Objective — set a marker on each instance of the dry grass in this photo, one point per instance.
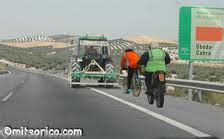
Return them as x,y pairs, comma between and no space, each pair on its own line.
148,40
207,97
36,43
214,99
3,66
178,92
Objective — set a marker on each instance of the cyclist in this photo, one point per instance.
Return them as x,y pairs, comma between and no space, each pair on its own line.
129,60
153,60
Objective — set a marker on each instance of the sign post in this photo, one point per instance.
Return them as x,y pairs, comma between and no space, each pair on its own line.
190,78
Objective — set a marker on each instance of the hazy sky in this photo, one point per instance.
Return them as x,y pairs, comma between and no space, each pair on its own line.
114,18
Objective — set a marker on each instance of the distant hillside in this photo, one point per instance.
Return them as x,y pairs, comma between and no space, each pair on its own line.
63,38
41,38
149,40
119,45
139,43
56,41
35,44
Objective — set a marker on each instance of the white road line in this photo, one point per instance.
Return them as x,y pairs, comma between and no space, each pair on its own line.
156,115
7,97
64,78
59,77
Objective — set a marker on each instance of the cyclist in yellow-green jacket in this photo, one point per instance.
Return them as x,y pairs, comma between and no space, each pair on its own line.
153,60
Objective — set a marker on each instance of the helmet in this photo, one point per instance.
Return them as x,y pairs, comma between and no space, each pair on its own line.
128,50
155,45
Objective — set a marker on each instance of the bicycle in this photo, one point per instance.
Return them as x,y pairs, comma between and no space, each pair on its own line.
158,85
136,84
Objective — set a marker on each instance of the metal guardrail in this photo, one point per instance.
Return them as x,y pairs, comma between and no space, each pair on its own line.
194,84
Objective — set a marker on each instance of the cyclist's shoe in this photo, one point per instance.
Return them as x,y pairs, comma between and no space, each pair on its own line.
129,91
150,99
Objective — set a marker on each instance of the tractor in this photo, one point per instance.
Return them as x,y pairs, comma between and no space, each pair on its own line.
91,60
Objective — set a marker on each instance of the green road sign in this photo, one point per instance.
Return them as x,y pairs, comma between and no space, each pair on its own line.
201,33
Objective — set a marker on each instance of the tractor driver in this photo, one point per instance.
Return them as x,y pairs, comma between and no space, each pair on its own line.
91,51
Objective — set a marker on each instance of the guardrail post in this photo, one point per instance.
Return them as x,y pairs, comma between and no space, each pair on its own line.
190,78
200,96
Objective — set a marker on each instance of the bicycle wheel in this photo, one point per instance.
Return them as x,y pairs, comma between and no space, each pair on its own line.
124,85
150,99
136,85
160,97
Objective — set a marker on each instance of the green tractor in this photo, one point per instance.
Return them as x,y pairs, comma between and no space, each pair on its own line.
91,61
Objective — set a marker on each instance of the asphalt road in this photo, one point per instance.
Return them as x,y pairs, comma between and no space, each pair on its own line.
38,100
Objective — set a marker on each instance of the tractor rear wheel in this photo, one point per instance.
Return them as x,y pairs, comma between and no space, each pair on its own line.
110,70
75,67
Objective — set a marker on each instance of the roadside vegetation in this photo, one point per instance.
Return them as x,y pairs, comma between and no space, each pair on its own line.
45,58
207,97
3,67
204,73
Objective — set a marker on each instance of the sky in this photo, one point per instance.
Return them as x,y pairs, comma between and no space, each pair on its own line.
113,18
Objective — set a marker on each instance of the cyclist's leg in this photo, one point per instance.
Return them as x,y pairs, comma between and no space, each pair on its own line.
130,75
148,81
137,72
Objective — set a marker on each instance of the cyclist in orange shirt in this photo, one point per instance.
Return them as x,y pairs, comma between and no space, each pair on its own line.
129,61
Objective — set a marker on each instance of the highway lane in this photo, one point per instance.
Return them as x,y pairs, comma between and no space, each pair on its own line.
203,117
10,82
43,100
